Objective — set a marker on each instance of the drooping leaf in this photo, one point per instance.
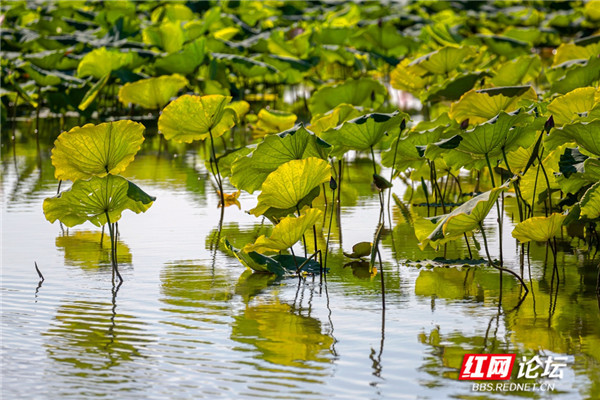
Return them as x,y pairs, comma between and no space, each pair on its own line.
152,93
291,182
249,173
481,105
286,233
590,202
365,92
91,94
91,200
96,150
190,118
362,132
539,229
463,219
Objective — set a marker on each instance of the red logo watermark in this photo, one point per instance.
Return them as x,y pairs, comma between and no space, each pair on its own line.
494,367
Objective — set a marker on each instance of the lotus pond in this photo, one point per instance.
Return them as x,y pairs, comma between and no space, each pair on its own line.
298,199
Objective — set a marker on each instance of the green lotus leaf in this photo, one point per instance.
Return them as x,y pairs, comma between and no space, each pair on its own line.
590,202
452,88
365,92
152,93
444,60
519,71
569,107
190,118
539,229
481,105
571,51
240,108
585,134
286,233
576,75
382,38
244,66
324,122
172,12
274,121
169,36
91,94
185,61
297,47
505,46
407,78
461,220
101,62
226,161
91,200
249,173
96,150
363,132
359,250
291,182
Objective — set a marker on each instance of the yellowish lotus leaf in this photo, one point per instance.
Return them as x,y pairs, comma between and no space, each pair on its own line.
478,107
567,107
274,121
101,62
539,229
286,233
291,182
96,150
571,51
323,122
152,93
190,118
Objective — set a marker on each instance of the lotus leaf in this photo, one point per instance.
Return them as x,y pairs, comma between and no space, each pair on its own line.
91,200
363,132
274,121
152,93
444,60
577,74
585,134
240,108
365,92
590,202
96,150
481,105
101,62
404,77
539,229
249,173
570,106
463,219
571,51
190,118
169,36
286,186
452,88
360,250
324,122
184,61
91,94
286,233
519,71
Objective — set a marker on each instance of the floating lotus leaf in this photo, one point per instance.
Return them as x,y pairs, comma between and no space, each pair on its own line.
274,121
152,93
291,182
362,132
519,71
444,60
323,122
91,200
365,92
249,173
286,233
190,118
101,62
463,219
569,107
96,150
585,134
481,105
590,202
539,229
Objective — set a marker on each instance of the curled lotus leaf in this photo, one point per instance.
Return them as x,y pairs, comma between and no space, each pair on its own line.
539,229
93,199
286,186
190,118
274,121
152,93
96,150
286,233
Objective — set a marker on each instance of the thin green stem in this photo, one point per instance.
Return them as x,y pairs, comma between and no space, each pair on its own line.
218,174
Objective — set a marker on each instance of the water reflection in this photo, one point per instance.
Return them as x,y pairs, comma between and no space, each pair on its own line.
91,250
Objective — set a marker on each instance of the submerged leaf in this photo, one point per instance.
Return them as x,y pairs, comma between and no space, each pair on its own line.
92,200
539,229
96,150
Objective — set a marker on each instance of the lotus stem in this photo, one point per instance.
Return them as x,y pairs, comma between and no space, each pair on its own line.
468,246
517,186
218,174
382,281
547,185
113,245
498,210
329,229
